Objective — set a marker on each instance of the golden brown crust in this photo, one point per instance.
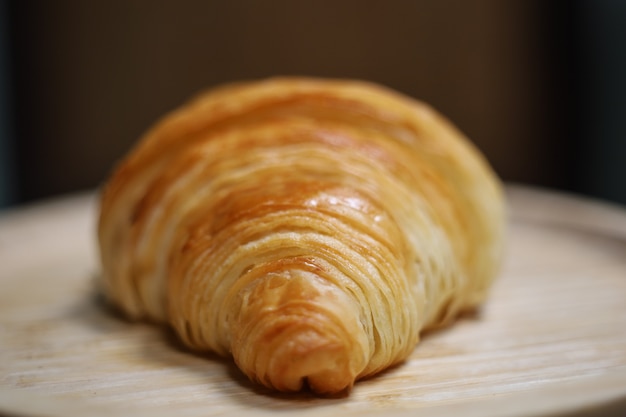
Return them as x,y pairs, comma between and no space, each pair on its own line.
309,228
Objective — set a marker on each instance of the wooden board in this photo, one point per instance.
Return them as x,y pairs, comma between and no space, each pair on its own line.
552,338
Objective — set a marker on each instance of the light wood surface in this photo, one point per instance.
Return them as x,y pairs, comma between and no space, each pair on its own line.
550,341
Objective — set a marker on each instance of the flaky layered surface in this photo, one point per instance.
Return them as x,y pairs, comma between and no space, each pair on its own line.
310,229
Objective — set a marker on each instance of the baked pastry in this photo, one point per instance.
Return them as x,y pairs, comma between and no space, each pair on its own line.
309,228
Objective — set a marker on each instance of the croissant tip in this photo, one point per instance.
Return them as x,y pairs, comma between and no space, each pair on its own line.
310,361
300,343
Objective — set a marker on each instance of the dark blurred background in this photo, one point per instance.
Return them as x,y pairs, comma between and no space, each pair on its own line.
539,86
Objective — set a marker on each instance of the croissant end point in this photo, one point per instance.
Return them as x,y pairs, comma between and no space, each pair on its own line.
301,340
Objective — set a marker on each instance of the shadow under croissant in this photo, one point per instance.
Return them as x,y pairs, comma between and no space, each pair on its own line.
105,317
98,314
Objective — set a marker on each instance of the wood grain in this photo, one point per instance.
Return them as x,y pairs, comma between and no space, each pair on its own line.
552,338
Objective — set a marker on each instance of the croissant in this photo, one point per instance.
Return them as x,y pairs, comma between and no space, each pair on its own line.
309,228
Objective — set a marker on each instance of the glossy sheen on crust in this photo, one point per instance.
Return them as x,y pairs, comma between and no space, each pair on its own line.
309,228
